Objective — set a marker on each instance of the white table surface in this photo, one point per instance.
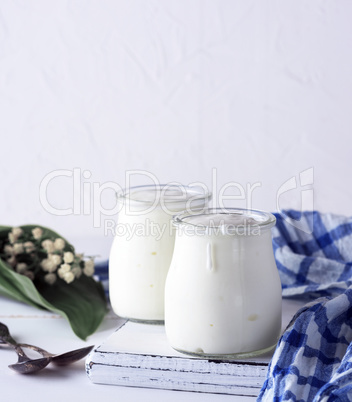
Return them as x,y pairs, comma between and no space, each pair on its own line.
53,333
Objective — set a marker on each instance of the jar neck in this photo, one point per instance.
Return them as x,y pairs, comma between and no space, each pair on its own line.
166,197
225,222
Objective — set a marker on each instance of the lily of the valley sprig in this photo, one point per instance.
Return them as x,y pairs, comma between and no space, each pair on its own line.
51,259
39,267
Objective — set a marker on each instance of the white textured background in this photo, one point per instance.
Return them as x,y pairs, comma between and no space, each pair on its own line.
260,90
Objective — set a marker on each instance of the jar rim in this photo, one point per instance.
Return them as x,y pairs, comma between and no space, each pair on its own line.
263,220
187,193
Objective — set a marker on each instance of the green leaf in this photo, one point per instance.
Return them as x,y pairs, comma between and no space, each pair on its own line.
81,302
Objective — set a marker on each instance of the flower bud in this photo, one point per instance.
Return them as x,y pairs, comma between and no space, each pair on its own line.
50,278
18,248
77,271
12,238
55,258
37,233
68,277
48,265
63,270
8,249
59,244
48,246
88,268
68,257
17,232
11,260
21,267
29,274
29,246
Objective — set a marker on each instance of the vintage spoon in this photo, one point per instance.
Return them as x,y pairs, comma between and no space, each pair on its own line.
24,365
61,359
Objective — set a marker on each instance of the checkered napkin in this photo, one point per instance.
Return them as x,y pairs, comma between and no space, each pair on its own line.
313,359
101,274
317,260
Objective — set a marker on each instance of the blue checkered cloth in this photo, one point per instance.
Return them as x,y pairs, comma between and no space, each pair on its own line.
317,263
101,274
313,359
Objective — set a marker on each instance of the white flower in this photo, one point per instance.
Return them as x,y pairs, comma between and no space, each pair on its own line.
12,261
29,246
8,249
50,278
21,267
68,257
48,246
55,258
59,244
68,277
17,232
12,238
37,233
77,271
64,268
18,248
88,268
48,265
29,274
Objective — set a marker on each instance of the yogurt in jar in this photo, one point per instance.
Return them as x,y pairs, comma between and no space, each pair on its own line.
142,249
223,291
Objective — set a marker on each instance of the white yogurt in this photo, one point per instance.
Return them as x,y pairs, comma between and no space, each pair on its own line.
142,249
223,292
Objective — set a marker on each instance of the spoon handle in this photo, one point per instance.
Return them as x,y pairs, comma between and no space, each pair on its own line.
22,357
37,349
5,337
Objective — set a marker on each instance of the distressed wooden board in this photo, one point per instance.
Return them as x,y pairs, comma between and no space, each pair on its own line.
172,381
139,355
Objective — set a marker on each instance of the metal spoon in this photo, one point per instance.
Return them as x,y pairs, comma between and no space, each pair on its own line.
61,359
24,365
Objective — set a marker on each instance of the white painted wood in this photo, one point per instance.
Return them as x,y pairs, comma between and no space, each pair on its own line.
139,355
71,383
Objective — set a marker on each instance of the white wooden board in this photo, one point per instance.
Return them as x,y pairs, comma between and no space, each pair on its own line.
139,355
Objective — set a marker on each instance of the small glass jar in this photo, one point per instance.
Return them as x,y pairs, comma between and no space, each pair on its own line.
223,291
143,245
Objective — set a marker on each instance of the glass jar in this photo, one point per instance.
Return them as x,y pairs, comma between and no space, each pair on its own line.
223,291
143,245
